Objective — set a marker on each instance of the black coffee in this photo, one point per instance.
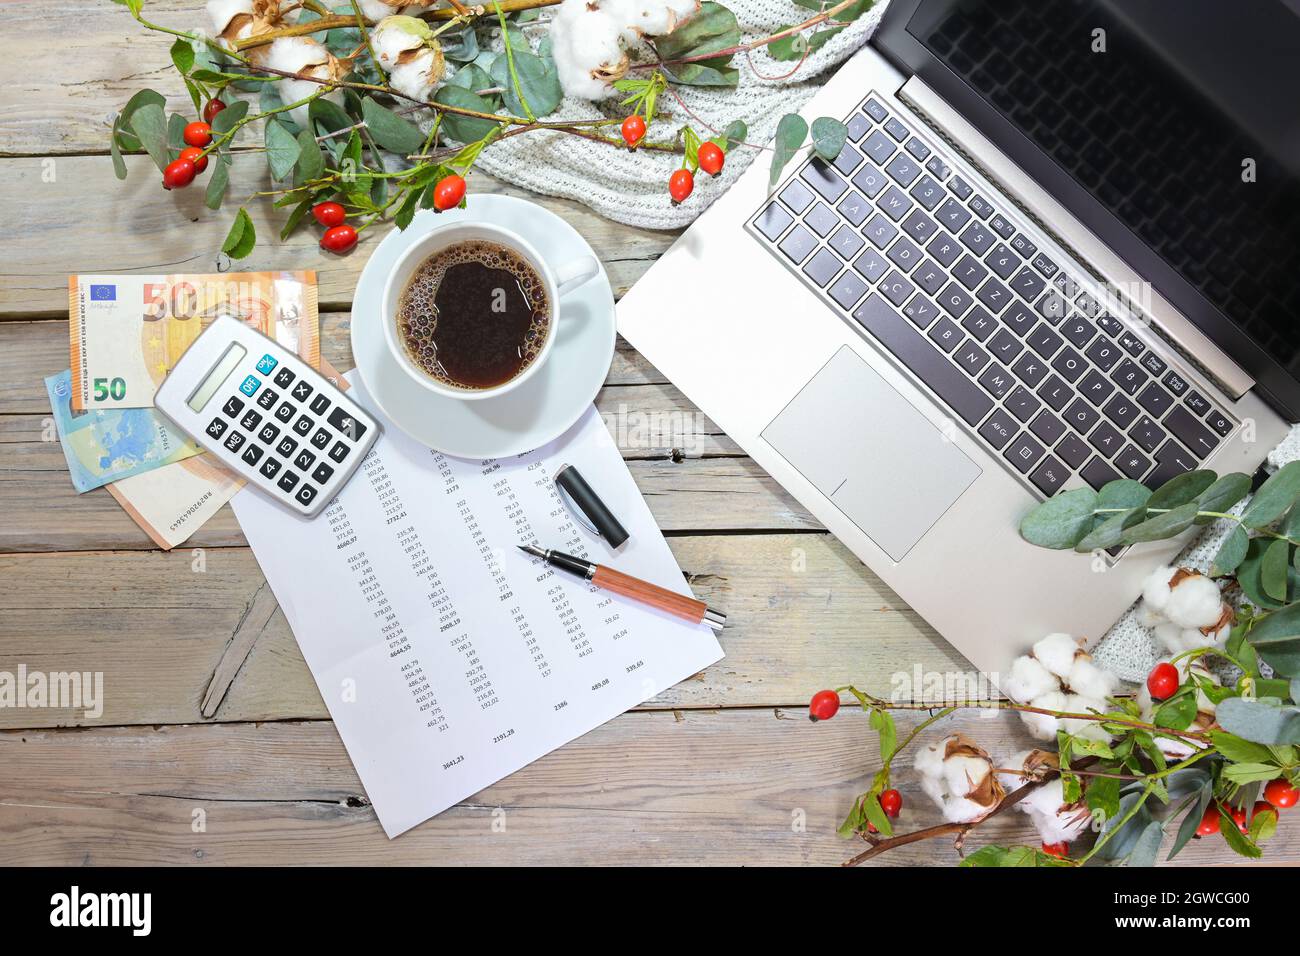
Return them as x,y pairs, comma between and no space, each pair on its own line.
474,315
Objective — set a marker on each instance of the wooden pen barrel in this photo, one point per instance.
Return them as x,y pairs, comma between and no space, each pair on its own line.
676,604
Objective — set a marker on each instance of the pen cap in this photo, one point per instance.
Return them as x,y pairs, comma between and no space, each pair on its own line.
589,503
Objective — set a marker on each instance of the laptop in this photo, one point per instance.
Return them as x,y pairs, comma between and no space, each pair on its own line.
1059,247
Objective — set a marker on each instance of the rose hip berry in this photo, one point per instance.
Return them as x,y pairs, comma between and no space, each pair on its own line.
1060,850
329,213
195,156
1238,815
197,134
633,130
1163,681
339,238
212,108
179,172
891,801
711,157
1281,794
825,704
1209,822
1263,806
448,193
680,185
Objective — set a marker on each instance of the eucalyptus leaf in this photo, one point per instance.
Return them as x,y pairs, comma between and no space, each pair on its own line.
1147,845
392,132
282,150
1181,489
175,135
119,164
1276,639
1192,820
183,55
1231,552
539,84
712,29
326,115
1224,493
224,121
1108,534
217,182
242,236
311,161
790,133
1123,493
1261,723
295,217
828,136
1061,521
126,138
1274,497
798,45
149,124
1273,568
1161,526
704,73
464,129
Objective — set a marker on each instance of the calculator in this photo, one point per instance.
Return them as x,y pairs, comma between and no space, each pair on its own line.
267,415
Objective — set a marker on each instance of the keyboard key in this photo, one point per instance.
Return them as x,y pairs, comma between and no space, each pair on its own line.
1024,452
1005,346
1081,416
286,447
1175,383
1154,364
1045,265
1098,473
1074,451
1049,476
981,207
1029,369
819,175
267,399
903,169
772,221
977,239
304,460
953,215
945,334
321,438
821,220
1087,304
996,380
1095,387
969,272
1056,393
305,494
1130,343
234,441
854,208
1128,376
285,411
917,149
880,231
1069,288
927,192
1191,432
1023,246
303,425
979,323
921,311
1078,330
1028,284
896,129
848,290
1155,400
1106,439
1022,403
252,454
1047,427
250,385
846,242
250,420
857,126
929,276
927,363
960,188
896,289
893,202
870,180
871,265
1044,341
268,434
1051,307
904,254
919,226
1109,324
797,196
1197,403
1132,462
1103,353
998,223
822,267
798,244
847,160
954,301
999,428
1120,410
970,357
1147,434
1171,461
1220,422
1002,261
1019,319
1069,365
346,425
944,248
873,109
939,168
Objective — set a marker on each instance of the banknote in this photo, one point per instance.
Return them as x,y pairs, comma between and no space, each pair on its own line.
173,502
103,445
125,332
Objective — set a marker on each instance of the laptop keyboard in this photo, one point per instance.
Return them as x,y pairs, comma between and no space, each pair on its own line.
946,282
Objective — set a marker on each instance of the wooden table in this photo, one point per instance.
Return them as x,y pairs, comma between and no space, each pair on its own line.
204,755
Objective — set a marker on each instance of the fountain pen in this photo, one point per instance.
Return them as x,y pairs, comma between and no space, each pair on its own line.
679,605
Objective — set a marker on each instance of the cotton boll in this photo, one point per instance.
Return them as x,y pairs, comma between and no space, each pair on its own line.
416,76
586,48
307,56
1044,726
377,9
962,810
929,761
1056,652
1055,821
958,776
1088,679
1148,616
1081,727
1027,680
933,788
964,774
222,12
393,36
1156,590
1194,600
655,17
1024,767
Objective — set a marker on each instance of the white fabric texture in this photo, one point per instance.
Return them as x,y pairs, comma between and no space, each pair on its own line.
1129,649
632,187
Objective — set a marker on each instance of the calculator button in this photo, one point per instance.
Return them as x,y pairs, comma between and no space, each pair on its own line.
250,420
322,473
286,447
301,391
339,451
267,398
235,441
232,407
305,495
303,425
285,411
304,460
249,385
287,481
269,467
345,423
216,428
266,364
283,377
319,404
268,433
252,454
321,438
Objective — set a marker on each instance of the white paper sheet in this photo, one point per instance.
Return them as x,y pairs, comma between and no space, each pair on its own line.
447,657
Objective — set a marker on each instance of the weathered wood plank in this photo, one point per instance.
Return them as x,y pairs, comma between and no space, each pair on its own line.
744,787
140,228
803,613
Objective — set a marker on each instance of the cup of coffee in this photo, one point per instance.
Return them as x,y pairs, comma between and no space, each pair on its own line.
471,309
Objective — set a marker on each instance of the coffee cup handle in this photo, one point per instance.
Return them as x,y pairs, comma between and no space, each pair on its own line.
573,274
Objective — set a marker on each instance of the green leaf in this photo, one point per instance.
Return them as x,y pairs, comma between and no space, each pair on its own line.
406,211
1109,532
1263,825
1238,749
1276,639
282,150
1196,810
326,115
1181,489
464,129
183,55
389,130
1146,846
1162,526
1178,712
1102,796
1243,773
539,84
691,142
883,723
828,136
119,164
295,217
1274,497
1231,552
225,121
1060,521
175,135
1256,721
217,182
704,73
149,124
712,29
127,140
1273,568
242,236
797,45
871,807
1123,493
311,161
1224,493
790,133
1235,839
735,132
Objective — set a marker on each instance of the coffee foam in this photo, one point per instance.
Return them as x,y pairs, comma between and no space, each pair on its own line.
417,314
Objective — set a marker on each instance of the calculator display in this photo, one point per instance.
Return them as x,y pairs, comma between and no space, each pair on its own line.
220,372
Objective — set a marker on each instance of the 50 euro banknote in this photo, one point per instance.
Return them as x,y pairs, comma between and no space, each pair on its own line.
126,332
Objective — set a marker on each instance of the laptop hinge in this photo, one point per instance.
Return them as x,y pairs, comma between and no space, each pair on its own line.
1053,218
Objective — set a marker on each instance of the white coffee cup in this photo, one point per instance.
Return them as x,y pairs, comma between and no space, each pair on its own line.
558,282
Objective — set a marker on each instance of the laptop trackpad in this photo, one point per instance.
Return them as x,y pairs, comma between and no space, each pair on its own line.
871,452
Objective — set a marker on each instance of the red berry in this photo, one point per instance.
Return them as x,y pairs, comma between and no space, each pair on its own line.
179,172
339,238
1238,815
1209,822
1163,681
680,184
633,130
329,213
1263,806
1061,849
211,109
1281,794
195,156
711,157
825,704
197,134
891,801
448,193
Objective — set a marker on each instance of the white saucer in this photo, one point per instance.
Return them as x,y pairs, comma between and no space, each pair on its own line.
537,411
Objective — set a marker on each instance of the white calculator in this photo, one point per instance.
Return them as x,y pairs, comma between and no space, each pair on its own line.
267,415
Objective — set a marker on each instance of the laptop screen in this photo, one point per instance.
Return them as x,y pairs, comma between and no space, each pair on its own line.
1181,117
